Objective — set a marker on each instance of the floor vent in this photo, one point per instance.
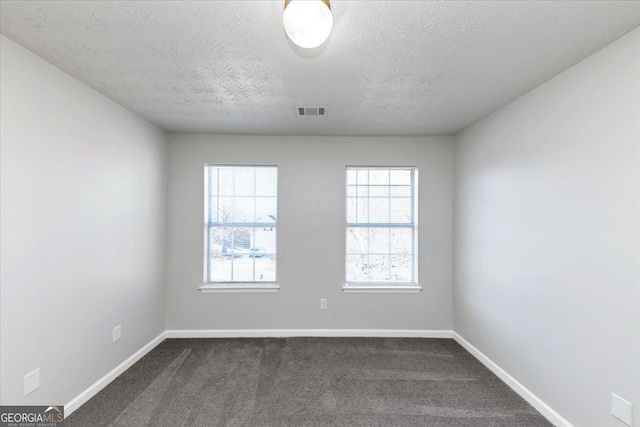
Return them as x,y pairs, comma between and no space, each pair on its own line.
311,111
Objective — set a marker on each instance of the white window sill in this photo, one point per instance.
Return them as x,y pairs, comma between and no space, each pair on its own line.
381,289
223,288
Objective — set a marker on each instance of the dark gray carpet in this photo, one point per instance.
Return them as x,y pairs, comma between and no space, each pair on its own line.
307,382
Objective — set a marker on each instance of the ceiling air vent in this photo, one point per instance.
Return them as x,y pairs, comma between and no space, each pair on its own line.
311,111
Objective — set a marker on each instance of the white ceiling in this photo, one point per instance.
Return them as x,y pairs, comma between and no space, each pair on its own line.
389,67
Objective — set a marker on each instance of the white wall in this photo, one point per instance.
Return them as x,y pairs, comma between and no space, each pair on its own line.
311,174
547,246
83,194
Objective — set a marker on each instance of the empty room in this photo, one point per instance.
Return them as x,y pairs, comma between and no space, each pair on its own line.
319,213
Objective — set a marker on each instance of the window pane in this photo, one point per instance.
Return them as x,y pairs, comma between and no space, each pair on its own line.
362,211
243,269
358,210
244,209
357,240
225,181
362,177
401,241
222,209
362,190
220,270
400,191
401,268
379,210
379,177
265,269
237,242
266,209
266,181
378,268
243,181
246,253
212,180
379,191
401,211
379,240
351,176
217,237
356,270
400,177
351,210
264,242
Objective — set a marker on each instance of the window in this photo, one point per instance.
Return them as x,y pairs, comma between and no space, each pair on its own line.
381,226
241,223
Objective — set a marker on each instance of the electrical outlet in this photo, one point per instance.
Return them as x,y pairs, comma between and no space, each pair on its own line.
31,382
621,409
117,333
323,304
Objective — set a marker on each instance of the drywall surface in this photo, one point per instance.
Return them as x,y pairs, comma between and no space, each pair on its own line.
83,193
547,236
311,234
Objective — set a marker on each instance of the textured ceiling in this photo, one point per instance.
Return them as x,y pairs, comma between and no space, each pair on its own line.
389,67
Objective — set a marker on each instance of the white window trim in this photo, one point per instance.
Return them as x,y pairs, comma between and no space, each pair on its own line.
372,288
220,288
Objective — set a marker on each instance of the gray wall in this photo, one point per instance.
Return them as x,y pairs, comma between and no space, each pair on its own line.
311,174
547,246
83,233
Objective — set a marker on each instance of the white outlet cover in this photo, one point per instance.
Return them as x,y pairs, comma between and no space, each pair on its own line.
117,333
621,409
31,382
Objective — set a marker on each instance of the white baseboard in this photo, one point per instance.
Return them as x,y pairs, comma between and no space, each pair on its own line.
284,333
104,381
551,415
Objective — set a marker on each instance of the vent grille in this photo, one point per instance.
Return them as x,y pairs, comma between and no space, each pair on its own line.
311,111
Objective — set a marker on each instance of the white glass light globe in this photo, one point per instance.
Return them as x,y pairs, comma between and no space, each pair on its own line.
308,23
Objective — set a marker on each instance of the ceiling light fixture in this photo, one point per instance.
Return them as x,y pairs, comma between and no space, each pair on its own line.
308,23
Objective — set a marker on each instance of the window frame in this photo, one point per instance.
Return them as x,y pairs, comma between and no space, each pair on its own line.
389,286
236,286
